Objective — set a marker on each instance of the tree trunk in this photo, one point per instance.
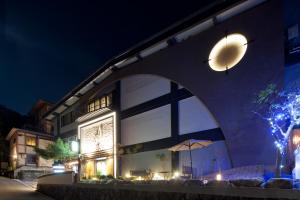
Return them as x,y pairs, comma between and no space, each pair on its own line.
278,164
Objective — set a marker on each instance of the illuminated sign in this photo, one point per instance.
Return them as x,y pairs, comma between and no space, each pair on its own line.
99,135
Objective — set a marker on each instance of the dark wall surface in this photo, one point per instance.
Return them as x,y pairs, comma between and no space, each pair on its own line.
228,97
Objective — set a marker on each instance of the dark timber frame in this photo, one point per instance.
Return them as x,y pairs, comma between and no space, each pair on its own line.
173,99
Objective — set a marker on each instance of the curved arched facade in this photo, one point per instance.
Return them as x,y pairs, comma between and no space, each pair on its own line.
228,96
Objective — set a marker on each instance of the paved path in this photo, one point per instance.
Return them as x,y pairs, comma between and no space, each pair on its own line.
13,190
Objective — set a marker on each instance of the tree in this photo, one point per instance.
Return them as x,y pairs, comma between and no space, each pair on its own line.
282,112
59,150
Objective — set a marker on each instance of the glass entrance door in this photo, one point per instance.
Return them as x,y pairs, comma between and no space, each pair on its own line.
101,167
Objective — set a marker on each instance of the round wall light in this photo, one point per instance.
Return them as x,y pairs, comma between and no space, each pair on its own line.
227,52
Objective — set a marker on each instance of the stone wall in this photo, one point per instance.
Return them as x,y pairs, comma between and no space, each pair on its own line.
153,192
30,172
61,178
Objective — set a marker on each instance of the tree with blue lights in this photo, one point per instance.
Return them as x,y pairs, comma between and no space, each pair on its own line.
282,112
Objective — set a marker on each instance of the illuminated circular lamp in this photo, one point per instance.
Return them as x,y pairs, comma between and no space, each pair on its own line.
227,52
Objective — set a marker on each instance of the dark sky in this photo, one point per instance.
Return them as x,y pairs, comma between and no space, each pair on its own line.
47,47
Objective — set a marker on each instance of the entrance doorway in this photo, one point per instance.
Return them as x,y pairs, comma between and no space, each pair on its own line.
101,167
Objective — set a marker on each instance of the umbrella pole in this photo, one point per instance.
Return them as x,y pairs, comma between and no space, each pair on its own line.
191,160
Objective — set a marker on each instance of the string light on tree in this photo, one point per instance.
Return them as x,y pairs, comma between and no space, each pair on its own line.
282,111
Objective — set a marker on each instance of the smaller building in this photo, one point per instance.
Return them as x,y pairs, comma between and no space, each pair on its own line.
35,121
24,161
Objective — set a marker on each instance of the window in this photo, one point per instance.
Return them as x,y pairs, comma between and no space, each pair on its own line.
91,107
103,102
67,118
99,103
31,159
30,141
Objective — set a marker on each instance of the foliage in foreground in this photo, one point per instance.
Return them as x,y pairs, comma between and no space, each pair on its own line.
281,110
58,150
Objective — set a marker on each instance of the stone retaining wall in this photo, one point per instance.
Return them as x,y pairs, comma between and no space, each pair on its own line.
153,192
61,178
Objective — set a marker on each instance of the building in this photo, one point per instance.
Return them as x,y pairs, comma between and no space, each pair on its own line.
35,117
23,159
37,132
184,83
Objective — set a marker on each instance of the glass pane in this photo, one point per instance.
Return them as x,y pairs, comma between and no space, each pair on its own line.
108,100
103,102
97,104
101,168
92,108
30,141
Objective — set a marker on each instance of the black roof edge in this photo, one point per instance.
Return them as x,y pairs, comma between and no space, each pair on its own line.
202,14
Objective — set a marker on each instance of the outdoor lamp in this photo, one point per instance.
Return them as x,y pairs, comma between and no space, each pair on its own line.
227,52
219,177
127,175
58,168
75,146
176,174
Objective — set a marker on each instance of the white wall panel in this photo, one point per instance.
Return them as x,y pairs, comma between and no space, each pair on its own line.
206,160
148,126
194,116
141,88
147,160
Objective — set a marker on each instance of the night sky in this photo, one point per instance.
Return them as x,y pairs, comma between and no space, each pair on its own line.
48,47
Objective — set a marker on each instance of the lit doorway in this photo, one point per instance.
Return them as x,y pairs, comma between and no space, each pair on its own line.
101,168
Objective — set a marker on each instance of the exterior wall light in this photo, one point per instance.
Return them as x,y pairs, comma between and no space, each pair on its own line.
127,175
157,176
227,52
219,177
176,174
75,146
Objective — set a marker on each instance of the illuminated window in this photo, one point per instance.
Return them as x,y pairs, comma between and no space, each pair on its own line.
103,102
91,107
108,100
30,141
99,103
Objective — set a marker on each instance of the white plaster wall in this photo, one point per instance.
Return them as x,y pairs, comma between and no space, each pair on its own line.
148,126
21,159
194,116
30,150
43,144
141,88
21,149
146,160
206,160
21,139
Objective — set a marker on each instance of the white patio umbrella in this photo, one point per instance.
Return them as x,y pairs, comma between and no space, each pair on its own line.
189,145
